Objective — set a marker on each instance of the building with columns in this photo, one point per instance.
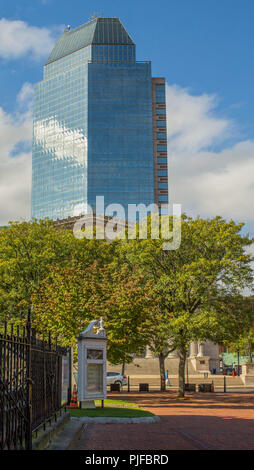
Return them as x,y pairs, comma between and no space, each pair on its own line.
203,357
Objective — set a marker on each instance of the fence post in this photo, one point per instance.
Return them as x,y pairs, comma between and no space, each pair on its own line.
70,354
128,383
28,385
225,384
44,383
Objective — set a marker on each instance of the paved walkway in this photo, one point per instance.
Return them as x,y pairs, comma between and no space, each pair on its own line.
197,422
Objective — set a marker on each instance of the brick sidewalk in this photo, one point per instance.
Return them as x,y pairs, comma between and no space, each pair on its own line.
197,422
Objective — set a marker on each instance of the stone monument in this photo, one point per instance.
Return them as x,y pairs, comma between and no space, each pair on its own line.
92,383
248,373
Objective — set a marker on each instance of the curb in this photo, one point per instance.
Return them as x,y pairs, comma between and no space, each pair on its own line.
68,436
108,420
45,437
76,436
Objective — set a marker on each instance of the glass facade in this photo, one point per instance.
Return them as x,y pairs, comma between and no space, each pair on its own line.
120,149
160,93
93,124
59,177
161,124
161,111
161,136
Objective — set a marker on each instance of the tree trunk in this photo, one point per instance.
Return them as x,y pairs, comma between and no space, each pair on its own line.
162,371
182,372
123,367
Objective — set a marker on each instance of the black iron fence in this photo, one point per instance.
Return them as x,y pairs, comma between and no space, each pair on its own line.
31,384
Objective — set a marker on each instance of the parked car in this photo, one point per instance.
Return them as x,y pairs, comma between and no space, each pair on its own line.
116,378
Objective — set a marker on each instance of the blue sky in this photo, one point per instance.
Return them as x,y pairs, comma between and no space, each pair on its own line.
204,49
204,45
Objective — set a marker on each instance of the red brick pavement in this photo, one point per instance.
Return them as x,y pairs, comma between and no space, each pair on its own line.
197,422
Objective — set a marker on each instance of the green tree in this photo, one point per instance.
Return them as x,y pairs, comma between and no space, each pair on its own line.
26,251
193,281
69,298
243,341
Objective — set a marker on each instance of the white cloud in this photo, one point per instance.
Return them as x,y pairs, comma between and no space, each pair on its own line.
25,95
204,181
191,124
18,38
15,171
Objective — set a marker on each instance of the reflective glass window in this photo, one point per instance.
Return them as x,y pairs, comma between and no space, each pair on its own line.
161,148
161,111
161,136
160,93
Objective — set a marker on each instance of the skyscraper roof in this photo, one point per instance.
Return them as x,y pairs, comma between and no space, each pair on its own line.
97,31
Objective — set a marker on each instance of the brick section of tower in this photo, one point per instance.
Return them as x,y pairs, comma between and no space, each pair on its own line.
159,105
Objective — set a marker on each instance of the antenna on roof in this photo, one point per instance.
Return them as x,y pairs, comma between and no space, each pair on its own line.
95,15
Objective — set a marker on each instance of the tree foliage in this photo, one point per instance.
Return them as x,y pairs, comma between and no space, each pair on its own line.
146,295
26,251
70,298
193,282
241,336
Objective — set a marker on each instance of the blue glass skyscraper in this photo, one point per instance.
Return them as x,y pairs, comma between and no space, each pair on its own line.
99,125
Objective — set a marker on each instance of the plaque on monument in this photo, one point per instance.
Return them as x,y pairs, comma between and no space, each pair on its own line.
94,381
94,354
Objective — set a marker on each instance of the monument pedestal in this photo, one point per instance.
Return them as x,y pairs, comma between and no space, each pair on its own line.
201,364
87,404
248,373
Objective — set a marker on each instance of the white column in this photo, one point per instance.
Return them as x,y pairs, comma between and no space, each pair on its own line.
149,353
193,349
201,349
